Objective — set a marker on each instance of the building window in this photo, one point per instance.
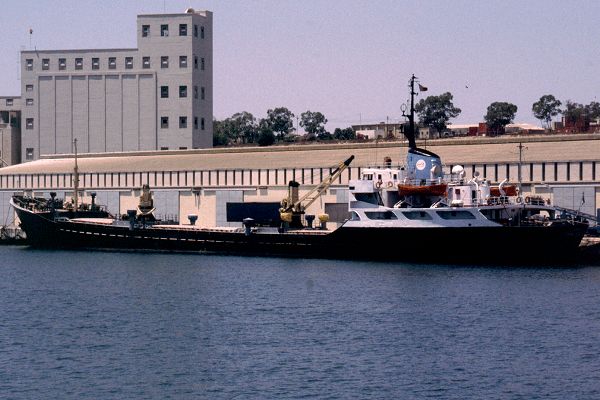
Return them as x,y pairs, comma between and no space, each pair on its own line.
145,30
182,29
164,61
29,123
202,93
62,64
29,154
128,62
196,62
202,123
164,122
29,88
95,63
201,32
164,30
29,102
112,62
29,64
146,62
79,63
164,92
202,63
182,91
195,92
195,122
45,64
182,61
164,148
195,30
183,122
9,102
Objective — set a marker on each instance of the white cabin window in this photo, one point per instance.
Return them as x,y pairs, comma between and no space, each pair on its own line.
455,214
417,215
380,215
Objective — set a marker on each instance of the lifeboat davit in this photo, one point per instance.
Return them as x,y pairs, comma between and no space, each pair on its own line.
422,190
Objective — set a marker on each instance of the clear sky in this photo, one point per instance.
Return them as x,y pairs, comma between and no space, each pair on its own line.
349,59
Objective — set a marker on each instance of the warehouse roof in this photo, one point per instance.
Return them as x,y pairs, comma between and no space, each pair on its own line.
452,151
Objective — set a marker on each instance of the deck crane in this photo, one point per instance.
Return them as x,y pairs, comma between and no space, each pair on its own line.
293,207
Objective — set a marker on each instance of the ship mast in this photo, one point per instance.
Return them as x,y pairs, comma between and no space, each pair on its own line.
410,134
75,178
521,147
411,118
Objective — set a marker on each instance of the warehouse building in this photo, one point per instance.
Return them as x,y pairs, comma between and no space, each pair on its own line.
158,96
211,183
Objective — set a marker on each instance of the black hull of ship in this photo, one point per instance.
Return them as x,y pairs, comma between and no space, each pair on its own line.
480,245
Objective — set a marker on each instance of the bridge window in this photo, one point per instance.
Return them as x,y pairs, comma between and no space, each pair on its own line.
380,215
417,215
455,214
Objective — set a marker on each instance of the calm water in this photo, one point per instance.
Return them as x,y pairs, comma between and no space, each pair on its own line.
104,325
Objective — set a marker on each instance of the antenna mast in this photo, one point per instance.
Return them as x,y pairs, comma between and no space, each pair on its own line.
76,178
521,147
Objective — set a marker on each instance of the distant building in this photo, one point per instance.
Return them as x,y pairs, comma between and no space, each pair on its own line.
10,130
557,125
480,129
576,124
463,130
523,129
595,125
156,96
380,130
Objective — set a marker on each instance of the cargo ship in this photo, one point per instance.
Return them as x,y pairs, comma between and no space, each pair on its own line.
413,212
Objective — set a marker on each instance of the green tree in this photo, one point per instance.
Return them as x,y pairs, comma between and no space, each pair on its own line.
266,137
499,114
436,111
573,112
244,127
219,133
344,134
546,108
593,110
281,121
314,124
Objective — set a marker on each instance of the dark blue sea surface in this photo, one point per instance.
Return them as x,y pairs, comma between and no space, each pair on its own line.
119,325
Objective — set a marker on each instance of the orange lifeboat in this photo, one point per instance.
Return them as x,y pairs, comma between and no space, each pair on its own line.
509,190
422,190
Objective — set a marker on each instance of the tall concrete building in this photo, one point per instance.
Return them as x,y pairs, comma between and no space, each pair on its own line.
158,96
10,130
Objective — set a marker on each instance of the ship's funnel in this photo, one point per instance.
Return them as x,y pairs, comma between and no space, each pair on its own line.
423,165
